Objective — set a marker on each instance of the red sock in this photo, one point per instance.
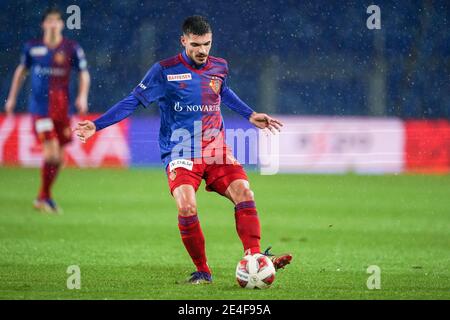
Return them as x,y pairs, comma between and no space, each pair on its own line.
194,241
248,227
49,172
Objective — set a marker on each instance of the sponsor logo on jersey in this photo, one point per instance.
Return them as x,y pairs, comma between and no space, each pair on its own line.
196,107
179,77
143,86
38,51
181,163
46,71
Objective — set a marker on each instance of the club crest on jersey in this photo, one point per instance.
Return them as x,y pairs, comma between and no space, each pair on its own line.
179,77
215,84
59,57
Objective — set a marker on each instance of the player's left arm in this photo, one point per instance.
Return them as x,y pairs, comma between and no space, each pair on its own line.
259,120
84,82
84,79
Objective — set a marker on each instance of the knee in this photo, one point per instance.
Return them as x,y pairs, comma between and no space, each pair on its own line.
246,195
53,159
188,209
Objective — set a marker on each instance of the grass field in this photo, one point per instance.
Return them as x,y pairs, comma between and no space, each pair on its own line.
120,228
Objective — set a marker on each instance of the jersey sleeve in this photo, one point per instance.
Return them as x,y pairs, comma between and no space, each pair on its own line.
232,101
79,61
25,57
151,88
118,112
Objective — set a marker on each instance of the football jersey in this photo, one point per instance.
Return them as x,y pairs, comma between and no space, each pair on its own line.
189,98
50,70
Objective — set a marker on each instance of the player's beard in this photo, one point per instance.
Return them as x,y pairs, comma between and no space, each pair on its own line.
201,59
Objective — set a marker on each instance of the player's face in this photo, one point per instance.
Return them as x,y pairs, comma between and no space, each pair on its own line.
53,24
197,47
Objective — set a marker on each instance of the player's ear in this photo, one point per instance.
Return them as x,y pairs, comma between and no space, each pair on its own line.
183,40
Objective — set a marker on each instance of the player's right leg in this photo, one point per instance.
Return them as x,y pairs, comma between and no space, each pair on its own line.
191,232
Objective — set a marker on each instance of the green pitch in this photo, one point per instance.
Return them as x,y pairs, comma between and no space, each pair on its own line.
120,228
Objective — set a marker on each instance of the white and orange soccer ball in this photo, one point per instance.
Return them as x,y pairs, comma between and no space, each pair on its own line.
255,272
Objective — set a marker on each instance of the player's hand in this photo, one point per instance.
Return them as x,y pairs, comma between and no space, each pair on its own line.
9,106
84,130
81,103
262,121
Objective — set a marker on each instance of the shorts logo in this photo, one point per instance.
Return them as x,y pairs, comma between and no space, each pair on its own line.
173,174
215,84
179,77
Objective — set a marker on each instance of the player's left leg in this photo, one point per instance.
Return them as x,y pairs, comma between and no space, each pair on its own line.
52,158
247,221
54,135
231,181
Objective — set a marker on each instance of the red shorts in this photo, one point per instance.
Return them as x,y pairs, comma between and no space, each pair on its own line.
217,176
47,129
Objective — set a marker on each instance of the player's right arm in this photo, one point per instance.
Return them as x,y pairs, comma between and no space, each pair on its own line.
17,81
150,89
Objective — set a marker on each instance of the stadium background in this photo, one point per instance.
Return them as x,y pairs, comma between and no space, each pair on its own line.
354,100
286,58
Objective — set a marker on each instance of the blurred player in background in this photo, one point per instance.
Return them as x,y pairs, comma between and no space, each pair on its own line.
50,61
190,88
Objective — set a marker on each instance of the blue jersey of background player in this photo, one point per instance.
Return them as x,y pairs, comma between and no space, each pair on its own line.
189,89
50,61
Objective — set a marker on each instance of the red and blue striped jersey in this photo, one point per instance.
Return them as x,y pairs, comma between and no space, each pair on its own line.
189,98
50,70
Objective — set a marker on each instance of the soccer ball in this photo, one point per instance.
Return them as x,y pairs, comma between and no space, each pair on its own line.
255,272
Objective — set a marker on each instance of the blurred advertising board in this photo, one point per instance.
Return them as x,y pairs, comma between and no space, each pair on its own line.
338,145
20,147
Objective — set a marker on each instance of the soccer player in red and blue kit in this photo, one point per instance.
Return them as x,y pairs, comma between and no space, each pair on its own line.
189,89
50,61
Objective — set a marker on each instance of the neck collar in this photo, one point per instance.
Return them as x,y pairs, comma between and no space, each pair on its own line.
190,62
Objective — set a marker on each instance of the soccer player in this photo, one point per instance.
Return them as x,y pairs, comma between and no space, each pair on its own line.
189,89
50,61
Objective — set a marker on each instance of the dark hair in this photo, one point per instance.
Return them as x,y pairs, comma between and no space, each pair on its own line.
197,25
49,11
